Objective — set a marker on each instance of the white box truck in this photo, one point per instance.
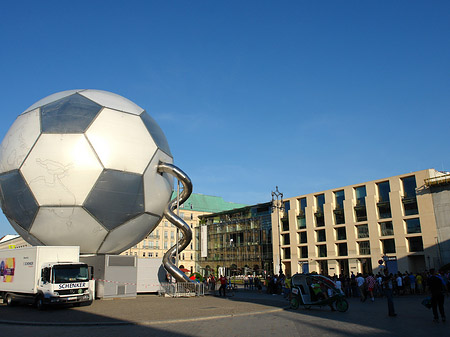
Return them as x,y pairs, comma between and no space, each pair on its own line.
45,275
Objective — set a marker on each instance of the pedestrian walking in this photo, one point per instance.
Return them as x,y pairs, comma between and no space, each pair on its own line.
419,282
361,286
371,282
338,282
347,287
212,282
379,286
399,281
437,289
412,283
223,285
388,287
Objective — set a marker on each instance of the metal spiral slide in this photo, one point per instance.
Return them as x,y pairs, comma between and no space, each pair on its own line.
177,221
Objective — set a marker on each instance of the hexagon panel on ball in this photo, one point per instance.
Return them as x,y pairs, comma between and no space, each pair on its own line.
80,167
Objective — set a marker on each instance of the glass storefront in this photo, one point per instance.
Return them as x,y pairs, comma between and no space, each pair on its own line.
239,240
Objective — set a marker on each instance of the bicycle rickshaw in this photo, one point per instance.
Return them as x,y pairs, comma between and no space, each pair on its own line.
316,290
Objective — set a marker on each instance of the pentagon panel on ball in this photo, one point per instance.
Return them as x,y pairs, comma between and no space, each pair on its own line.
116,198
71,114
128,234
82,167
17,200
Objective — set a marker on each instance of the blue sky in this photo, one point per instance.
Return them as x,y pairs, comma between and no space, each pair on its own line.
306,95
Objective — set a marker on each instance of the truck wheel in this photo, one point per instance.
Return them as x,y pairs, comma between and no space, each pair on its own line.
9,300
40,303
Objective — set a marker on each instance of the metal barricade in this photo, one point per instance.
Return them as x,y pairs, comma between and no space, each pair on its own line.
182,289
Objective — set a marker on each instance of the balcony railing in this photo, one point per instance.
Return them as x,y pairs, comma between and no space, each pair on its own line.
387,232
364,251
409,199
320,220
301,222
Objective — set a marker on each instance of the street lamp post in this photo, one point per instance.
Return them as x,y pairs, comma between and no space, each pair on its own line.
277,198
232,263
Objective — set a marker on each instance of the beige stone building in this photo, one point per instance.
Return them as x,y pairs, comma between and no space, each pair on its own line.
352,228
163,237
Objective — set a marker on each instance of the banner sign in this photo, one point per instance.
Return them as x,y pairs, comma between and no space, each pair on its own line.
7,267
204,241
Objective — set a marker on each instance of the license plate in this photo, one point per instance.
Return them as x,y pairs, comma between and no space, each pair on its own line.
71,298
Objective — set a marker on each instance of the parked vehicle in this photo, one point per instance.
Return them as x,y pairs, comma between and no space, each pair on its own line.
45,275
316,290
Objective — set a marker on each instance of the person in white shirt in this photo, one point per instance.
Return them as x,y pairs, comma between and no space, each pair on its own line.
361,286
338,283
399,280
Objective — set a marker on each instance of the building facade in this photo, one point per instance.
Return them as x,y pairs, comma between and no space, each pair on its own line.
439,186
164,236
237,241
13,242
350,229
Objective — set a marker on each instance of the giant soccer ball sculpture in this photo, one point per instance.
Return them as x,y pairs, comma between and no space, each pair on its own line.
87,168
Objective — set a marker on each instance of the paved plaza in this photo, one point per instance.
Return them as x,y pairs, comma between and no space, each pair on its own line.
247,313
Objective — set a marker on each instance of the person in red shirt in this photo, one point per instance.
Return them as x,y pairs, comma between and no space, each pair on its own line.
223,285
371,282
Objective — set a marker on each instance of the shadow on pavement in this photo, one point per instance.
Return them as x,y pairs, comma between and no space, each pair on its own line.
413,319
152,315
25,320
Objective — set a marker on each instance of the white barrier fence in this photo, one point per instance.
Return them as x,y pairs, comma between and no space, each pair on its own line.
182,289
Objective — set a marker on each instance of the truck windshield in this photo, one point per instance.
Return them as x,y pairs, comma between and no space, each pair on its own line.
70,273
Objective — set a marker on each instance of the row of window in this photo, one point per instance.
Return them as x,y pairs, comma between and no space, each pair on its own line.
155,245
412,226
384,212
360,213
155,254
183,216
155,235
167,224
415,244
144,254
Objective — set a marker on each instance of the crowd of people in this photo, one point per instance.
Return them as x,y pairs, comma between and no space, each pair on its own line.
277,284
436,284
365,286
371,286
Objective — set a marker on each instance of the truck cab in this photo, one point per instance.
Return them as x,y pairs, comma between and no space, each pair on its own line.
45,275
64,283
